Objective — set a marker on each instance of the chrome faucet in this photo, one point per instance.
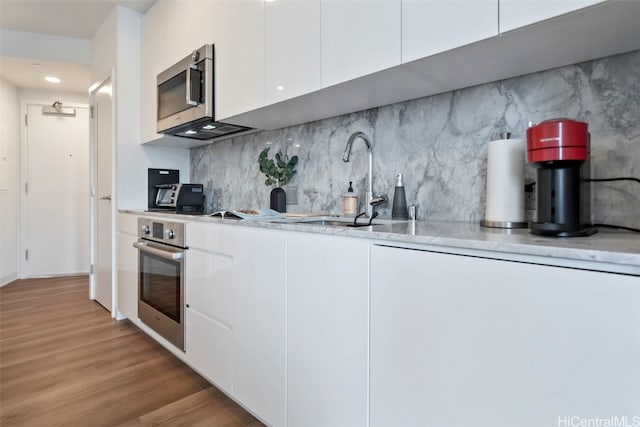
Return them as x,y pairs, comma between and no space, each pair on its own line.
370,200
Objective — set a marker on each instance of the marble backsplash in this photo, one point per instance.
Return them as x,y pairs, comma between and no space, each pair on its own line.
439,144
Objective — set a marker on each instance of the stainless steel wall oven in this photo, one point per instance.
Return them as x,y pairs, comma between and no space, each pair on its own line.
161,251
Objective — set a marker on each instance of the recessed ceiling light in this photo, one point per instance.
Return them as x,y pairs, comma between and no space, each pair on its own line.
279,87
51,79
208,127
190,132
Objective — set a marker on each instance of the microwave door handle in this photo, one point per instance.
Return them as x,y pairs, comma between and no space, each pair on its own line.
173,256
193,85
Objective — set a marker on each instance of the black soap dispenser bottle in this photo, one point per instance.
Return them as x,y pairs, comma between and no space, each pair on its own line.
399,210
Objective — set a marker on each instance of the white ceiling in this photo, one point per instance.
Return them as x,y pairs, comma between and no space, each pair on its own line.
70,18
30,73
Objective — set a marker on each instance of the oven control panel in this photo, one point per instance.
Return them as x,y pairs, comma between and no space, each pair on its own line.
169,232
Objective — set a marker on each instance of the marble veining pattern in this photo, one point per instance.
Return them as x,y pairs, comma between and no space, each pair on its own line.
618,250
439,143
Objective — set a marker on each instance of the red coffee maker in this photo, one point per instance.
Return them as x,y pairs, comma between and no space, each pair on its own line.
559,149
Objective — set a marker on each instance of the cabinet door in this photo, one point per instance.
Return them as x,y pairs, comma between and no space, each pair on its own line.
208,288
434,26
208,348
239,56
327,331
127,264
359,37
469,341
258,287
150,67
518,13
127,304
182,24
292,48
208,331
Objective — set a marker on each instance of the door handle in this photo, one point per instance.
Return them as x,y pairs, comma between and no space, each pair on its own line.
172,255
193,85
106,197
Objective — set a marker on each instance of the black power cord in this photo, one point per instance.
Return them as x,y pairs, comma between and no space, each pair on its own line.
622,178
619,227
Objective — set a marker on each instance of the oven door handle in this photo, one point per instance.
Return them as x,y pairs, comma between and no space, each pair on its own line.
144,247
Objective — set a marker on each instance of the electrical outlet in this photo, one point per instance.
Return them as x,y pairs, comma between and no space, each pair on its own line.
529,202
292,194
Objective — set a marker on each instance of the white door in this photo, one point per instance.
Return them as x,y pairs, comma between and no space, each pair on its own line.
104,214
56,192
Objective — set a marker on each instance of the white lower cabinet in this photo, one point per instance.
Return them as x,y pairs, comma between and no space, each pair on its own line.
208,349
258,284
208,315
327,331
467,341
235,326
312,330
127,257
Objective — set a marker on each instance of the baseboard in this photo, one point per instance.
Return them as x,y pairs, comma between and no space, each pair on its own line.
5,280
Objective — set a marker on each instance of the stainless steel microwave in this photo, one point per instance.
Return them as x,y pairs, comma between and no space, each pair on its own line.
186,98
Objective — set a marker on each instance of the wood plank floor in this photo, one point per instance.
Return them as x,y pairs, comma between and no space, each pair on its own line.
65,361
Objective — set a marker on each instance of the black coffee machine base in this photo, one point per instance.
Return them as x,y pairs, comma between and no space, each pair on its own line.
558,230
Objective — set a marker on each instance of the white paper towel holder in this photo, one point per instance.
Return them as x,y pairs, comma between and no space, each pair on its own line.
504,224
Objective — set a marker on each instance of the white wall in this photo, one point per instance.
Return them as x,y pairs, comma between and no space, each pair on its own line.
44,46
52,95
116,46
9,168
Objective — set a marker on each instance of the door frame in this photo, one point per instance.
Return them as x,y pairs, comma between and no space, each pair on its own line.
93,90
23,152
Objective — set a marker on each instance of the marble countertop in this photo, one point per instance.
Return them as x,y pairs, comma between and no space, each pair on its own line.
619,249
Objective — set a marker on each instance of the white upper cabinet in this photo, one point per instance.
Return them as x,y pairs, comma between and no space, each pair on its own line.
434,26
292,49
518,13
239,56
174,29
150,66
359,37
187,26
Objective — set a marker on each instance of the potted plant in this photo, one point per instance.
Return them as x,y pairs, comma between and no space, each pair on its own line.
279,172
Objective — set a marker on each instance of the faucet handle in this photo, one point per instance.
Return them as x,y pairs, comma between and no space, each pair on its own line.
379,200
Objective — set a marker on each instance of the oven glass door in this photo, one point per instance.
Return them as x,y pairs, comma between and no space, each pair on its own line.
161,283
161,289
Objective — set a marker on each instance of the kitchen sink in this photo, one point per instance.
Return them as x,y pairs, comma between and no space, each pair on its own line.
337,223
334,221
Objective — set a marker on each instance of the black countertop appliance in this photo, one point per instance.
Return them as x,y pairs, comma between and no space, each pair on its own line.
157,177
559,149
167,194
181,198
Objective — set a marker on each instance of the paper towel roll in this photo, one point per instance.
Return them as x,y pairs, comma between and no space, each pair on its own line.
505,184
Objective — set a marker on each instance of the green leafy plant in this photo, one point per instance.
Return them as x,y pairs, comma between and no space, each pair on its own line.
280,170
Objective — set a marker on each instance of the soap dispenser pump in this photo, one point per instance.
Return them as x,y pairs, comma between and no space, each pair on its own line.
399,210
